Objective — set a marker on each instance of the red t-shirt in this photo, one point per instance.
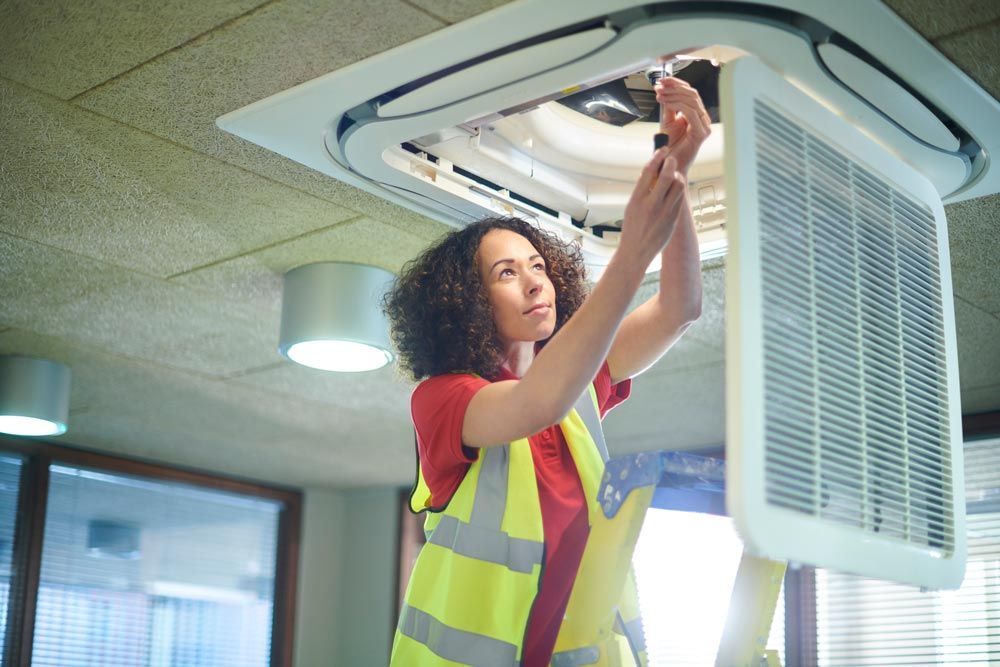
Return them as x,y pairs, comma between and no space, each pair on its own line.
438,406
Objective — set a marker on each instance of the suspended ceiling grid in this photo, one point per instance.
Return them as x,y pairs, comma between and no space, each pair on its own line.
145,248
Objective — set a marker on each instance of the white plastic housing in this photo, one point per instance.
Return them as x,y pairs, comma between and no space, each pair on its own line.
843,420
501,66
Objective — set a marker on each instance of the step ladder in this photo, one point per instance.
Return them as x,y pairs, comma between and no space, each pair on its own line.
681,481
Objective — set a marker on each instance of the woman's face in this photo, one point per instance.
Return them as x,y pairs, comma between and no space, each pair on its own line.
517,286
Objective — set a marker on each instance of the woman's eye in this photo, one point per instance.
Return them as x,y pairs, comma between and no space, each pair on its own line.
540,267
505,272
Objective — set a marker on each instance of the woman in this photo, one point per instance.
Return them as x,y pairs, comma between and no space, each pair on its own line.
516,361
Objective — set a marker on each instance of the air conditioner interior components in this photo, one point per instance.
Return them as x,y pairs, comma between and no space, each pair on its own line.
632,97
843,417
858,59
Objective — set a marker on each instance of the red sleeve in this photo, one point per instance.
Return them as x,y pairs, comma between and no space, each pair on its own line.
609,395
438,409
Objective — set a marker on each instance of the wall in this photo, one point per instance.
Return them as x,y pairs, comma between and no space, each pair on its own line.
347,577
368,591
316,613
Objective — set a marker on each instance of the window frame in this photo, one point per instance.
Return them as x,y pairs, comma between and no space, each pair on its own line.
29,531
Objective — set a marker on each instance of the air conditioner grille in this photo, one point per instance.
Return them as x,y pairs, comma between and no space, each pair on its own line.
856,405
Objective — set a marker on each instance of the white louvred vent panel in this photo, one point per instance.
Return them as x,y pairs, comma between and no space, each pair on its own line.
853,342
844,425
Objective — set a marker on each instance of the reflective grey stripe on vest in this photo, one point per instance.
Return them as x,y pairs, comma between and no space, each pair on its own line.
588,655
592,420
481,537
494,546
491,488
468,648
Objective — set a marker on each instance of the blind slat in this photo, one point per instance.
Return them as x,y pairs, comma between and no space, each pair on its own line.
866,622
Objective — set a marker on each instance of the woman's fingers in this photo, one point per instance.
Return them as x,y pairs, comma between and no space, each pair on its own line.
651,171
692,110
666,177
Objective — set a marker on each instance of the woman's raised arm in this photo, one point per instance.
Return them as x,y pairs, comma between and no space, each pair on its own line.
508,410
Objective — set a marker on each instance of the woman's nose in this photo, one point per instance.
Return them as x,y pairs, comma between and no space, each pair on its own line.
534,285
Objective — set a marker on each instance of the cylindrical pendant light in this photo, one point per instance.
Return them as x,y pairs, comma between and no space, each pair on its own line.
34,396
331,317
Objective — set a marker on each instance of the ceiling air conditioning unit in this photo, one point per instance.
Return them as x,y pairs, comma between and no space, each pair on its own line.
838,133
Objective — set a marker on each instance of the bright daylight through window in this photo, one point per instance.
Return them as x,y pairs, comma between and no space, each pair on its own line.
685,565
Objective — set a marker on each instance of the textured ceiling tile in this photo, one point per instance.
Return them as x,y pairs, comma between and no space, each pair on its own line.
934,18
169,324
179,95
384,392
257,278
709,329
978,346
687,353
86,366
65,47
56,293
35,278
454,11
74,180
682,410
975,53
974,245
129,407
981,399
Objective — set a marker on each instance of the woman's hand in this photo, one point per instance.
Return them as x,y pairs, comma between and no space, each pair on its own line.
683,118
654,208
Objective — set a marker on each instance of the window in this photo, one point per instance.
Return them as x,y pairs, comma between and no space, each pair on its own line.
135,564
685,566
867,622
10,487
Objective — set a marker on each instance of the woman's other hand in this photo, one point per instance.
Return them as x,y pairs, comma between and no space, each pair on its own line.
683,118
654,208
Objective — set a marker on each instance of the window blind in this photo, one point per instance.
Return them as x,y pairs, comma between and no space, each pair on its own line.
10,487
867,622
137,571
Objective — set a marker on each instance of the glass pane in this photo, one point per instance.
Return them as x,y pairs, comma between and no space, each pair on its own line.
10,486
140,572
685,565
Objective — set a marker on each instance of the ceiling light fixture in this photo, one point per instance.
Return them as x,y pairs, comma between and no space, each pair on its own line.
34,396
331,317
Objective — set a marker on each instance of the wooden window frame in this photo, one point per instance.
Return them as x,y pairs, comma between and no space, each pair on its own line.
29,531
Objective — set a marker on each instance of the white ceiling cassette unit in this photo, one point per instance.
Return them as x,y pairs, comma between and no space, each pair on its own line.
837,133
484,117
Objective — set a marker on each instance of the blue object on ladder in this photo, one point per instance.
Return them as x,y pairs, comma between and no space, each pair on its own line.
684,481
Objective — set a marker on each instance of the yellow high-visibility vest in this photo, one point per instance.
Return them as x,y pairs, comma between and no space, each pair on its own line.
475,581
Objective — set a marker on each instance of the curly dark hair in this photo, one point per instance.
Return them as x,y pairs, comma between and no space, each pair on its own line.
440,317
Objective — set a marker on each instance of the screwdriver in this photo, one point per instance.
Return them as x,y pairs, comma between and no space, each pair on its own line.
660,139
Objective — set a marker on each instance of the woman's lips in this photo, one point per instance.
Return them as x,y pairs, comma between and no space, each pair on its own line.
540,309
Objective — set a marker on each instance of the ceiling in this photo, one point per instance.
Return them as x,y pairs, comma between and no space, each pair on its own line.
144,247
